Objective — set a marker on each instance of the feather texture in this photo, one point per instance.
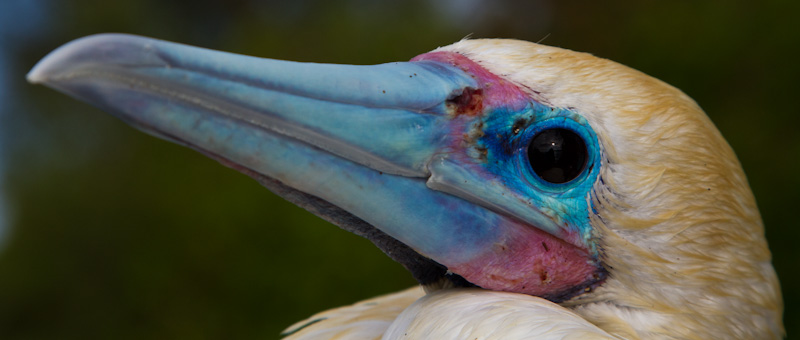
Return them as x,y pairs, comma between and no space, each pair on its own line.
368,319
464,313
470,313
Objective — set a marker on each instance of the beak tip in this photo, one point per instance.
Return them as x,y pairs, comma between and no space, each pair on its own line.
41,72
98,49
57,63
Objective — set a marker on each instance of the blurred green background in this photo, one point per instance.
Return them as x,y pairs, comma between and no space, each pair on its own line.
110,233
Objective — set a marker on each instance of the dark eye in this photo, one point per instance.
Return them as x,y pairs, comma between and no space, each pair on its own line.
557,155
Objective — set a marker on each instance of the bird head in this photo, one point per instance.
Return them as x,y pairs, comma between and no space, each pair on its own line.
500,164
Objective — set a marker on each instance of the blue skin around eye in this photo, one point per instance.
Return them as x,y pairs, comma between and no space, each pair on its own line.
505,140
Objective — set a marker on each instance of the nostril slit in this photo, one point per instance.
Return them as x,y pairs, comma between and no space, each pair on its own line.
468,102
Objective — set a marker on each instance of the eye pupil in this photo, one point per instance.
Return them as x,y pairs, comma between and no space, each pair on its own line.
557,155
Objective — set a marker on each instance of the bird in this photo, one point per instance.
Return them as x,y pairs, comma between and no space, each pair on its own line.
534,192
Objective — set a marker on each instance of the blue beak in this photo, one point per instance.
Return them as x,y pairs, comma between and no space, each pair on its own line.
353,144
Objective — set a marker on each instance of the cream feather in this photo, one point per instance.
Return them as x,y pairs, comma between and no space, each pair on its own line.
471,313
368,319
459,313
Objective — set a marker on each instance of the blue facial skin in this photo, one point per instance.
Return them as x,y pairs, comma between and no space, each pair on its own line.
505,142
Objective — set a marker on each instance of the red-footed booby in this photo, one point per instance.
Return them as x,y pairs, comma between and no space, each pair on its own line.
534,192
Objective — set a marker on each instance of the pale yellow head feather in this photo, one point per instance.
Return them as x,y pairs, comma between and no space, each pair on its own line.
680,231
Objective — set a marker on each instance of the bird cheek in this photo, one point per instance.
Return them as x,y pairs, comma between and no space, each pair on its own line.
530,261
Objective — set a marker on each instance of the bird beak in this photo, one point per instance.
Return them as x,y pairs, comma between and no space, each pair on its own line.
364,139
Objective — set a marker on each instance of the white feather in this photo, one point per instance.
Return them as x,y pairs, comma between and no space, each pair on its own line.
471,313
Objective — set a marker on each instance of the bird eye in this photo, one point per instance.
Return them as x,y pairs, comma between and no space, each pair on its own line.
557,155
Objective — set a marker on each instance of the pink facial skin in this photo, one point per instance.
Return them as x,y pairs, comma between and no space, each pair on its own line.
494,90
531,261
525,259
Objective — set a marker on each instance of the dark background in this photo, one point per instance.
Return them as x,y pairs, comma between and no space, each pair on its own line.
111,233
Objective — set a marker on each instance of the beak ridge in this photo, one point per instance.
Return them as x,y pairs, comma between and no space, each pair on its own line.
382,116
